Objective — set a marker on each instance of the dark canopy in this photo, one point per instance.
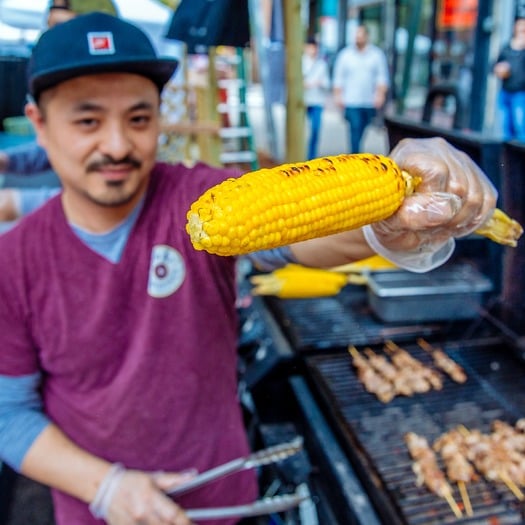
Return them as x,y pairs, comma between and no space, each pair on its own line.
204,23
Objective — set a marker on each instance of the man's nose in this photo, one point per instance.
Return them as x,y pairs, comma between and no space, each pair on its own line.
115,141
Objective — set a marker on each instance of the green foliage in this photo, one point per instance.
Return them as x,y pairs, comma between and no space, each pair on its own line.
107,6
171,3
87,6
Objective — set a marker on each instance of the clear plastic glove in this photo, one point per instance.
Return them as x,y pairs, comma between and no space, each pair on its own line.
453,199
128,497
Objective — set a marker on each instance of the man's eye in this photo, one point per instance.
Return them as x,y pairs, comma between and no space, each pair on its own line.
141,119
87,122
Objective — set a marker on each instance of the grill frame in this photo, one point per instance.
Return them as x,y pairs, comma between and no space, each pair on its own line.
318,325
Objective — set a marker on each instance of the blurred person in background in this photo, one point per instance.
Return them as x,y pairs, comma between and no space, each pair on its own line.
360,84
510,69
26,159
30,158
59,11
316,80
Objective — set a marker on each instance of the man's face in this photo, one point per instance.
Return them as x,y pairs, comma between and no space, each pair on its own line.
100,132
361,37
310,50
519,28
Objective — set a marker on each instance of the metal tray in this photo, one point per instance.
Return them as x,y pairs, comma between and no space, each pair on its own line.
447,293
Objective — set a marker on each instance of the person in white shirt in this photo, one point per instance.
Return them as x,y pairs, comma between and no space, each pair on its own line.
316,80
360,84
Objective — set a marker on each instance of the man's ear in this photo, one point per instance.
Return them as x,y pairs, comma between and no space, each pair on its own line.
34,114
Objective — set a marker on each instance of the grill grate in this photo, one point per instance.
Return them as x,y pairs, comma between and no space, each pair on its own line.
373,432
330,322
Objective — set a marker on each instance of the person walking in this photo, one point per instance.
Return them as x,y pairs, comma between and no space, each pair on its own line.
360,84
316,80
510,69
118,339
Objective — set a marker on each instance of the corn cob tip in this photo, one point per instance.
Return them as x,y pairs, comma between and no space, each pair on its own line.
194,228
502,229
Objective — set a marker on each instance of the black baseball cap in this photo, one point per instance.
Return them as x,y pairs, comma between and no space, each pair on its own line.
94,43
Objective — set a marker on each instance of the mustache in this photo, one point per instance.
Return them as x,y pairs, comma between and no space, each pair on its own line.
107,160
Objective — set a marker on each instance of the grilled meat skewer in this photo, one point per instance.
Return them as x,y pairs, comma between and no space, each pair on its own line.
427,470
444,362
459,470
371,380
421,377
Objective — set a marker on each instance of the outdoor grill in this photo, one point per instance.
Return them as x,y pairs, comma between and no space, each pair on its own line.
301,371
355,442
374,432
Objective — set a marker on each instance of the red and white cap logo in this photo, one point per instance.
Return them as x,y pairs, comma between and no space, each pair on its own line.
101,43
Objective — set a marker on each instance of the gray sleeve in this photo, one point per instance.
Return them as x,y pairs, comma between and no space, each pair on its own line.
269,260
27,159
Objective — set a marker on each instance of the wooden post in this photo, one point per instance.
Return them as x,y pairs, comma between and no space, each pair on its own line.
209,144
295,109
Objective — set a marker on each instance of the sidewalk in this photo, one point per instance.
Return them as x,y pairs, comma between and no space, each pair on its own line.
334,131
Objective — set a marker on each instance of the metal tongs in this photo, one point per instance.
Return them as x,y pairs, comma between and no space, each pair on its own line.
260,458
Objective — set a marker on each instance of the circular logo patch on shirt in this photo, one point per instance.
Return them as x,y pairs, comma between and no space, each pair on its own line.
166,271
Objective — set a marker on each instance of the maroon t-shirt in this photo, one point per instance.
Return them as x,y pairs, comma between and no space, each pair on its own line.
138,357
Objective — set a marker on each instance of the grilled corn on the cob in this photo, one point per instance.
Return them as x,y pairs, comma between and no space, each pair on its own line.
275,207
297,282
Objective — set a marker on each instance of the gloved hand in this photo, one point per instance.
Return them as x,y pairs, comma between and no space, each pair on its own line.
453,199
127,497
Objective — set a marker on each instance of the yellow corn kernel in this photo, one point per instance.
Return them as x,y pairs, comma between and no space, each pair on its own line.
322,197
279,206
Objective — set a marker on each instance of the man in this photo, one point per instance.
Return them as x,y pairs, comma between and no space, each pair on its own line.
360,84
117,338
510,69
